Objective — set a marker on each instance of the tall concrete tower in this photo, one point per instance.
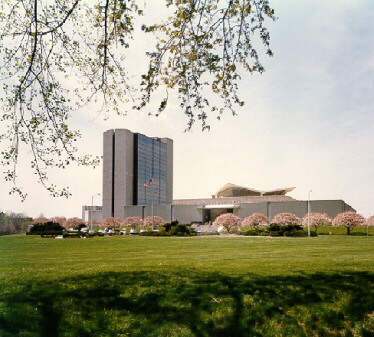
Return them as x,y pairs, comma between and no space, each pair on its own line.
131,160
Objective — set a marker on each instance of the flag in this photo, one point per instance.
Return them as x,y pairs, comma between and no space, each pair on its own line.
148,184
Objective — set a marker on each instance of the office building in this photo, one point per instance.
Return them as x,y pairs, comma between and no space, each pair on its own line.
130,161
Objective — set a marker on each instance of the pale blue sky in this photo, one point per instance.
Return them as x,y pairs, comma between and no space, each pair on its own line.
308,120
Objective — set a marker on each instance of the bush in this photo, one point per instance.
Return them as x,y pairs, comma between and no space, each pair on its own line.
42,229
256,232
46,233
174,228
171,229
181,230
280,230
169,225
295,233
160,233
72,235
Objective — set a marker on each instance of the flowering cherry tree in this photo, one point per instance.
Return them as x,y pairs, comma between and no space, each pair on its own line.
112,222
58,219
40,220
370,221
255,219
349,220
286,219
229,221
73,223
316,220
157,221
133,221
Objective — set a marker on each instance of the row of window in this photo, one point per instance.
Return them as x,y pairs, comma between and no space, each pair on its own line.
142,165
144,140
151,148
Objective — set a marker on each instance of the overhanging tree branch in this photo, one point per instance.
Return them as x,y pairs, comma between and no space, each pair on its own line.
58,56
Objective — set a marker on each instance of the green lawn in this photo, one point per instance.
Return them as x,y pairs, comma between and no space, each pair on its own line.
215,286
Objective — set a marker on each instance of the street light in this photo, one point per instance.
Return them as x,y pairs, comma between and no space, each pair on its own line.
92,207
309,212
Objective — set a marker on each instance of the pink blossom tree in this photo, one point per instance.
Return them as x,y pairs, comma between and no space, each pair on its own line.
229,221
349,220
40,220
157,221
112,222
75,223
58,219
255,219
370,221
286,219
316,220
133,221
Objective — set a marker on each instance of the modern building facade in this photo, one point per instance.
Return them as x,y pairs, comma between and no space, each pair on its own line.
131,161
240,201
93,213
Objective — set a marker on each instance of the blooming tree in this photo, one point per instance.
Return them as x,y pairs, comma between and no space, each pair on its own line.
349,220
112,222
58,219
316,220
157,221
255,219
229,221
133,221
370,221
286,219
40,220
74,223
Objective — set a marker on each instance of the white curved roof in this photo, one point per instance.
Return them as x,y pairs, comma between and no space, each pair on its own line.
232,190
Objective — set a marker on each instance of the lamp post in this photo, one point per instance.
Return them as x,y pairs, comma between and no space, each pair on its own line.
150,184
92,198
152,204
309,212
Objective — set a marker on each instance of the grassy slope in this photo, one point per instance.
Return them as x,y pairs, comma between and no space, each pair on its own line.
143,286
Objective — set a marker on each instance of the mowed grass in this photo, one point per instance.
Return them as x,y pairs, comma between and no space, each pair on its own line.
214,286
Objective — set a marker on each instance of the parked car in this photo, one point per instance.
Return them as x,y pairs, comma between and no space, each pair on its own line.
122,232
133,232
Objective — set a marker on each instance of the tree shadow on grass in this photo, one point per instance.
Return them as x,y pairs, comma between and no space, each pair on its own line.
192,304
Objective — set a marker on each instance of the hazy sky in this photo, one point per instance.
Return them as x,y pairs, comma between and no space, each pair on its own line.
308,120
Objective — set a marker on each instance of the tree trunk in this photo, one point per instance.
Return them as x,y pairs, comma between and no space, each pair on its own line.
348,230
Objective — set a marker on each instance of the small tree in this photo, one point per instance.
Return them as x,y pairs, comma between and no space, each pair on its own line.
370,221
316,220
349,220
157,221
255,219
74,223
133,221
286,219
229,221
112,222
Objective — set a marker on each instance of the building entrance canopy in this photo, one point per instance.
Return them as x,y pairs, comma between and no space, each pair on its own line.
220,206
